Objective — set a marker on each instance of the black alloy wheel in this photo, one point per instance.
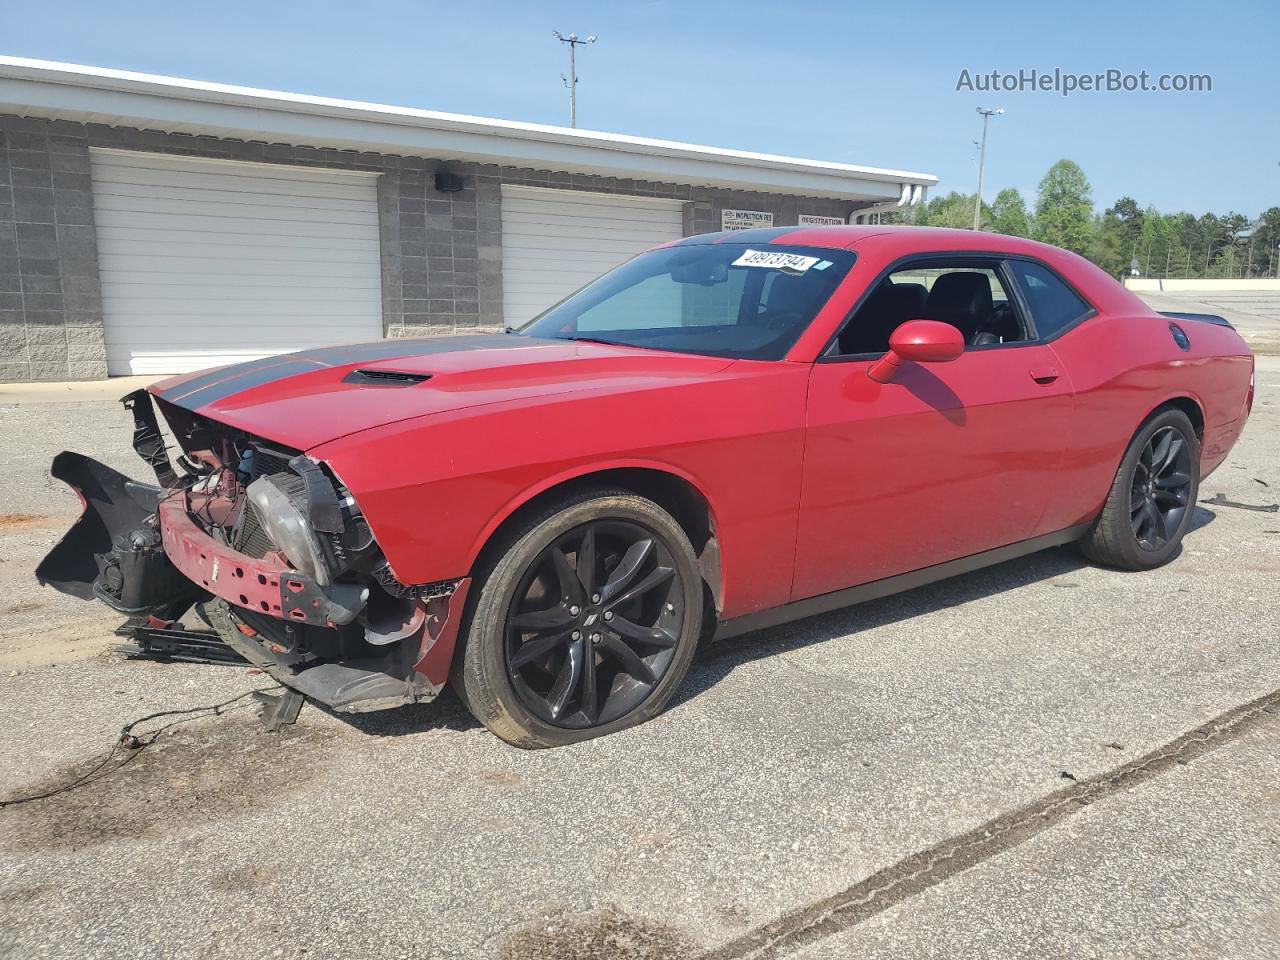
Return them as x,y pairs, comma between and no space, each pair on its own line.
582,621
1161,490
594,623
1152,498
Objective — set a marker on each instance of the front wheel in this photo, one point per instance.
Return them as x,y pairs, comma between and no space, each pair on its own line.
585,624
1152,498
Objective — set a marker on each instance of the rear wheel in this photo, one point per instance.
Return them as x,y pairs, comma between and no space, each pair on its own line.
1152,498
585,624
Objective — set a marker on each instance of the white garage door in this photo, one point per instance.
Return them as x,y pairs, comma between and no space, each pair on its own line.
555,241
206,262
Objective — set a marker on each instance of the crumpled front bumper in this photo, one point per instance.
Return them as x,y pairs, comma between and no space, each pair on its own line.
87,563
267,585
115,507
137,548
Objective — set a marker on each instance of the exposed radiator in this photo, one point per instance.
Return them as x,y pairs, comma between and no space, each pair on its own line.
249,537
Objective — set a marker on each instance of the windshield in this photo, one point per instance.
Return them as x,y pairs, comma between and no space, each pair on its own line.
734,300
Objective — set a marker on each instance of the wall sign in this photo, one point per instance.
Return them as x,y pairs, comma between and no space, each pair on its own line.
745,219
811,220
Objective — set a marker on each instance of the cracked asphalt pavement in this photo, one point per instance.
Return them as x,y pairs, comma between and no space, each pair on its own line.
797,767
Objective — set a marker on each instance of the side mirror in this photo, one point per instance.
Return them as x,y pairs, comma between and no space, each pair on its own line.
924,341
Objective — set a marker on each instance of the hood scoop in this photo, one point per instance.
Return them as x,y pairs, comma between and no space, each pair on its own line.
385,378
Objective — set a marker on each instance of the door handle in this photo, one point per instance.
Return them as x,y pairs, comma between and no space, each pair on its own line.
1044,374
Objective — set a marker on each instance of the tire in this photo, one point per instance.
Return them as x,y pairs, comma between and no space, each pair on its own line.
1127,534
533,617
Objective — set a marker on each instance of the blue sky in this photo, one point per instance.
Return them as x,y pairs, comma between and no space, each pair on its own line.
859,82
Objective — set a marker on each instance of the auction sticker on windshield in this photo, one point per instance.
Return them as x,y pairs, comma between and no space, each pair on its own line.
774,260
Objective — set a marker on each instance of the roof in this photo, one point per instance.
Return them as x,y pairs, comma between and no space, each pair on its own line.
65,91
846,236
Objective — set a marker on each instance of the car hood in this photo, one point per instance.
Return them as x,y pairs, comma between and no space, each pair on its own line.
314,396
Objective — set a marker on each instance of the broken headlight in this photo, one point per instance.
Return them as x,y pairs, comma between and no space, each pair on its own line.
280,504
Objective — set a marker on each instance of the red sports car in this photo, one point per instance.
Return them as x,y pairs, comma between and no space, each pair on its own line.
724,433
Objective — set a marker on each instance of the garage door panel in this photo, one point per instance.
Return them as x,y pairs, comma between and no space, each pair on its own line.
148,183
193,336
254,198
127,180
520,224
567,199
165,269
258,251
201,210
125,167
259,206
524,214
593,227
149,312
332,332
542,261
207,262
160,362
556,273
527,283
555,241
587,238
544,254
174,300
177,229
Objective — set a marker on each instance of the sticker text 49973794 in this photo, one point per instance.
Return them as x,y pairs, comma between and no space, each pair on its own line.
776,260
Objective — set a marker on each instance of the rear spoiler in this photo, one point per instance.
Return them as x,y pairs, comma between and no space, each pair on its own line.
1202,317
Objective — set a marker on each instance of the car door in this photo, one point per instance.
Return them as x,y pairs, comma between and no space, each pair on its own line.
944,461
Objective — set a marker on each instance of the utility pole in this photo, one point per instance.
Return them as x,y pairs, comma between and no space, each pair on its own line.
982,160
571,81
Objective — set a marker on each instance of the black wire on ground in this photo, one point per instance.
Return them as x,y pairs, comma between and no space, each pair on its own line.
135,744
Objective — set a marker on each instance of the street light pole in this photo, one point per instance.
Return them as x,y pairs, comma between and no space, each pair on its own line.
571,81
982,160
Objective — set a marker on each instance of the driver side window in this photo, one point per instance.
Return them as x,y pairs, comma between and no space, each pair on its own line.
968,295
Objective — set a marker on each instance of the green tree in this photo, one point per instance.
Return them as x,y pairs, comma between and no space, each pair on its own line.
1266,244
952,210
1009,214
1064,208
1161,252
1116,234
1235,243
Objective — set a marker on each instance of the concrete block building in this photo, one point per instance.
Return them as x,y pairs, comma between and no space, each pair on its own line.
157,225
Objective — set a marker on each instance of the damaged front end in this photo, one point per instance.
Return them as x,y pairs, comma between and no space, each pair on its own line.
272,552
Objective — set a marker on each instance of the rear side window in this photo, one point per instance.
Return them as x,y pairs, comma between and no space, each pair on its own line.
1054,306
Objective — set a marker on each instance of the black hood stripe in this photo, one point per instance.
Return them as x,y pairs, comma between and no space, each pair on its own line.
219,384
174,393
246,380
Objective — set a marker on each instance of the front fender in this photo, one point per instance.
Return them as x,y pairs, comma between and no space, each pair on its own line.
574,474
434,491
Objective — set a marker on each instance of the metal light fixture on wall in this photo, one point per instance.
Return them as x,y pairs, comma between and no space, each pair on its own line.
448,182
